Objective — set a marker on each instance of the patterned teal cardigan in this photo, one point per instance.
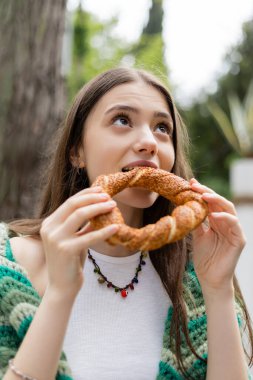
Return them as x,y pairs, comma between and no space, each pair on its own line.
19,301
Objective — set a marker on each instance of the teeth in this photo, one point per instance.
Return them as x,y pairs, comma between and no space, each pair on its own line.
127,169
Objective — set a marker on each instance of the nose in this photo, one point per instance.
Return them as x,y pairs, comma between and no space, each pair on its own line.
146,142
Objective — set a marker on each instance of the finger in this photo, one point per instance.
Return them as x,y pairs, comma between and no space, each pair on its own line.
229,220
196,186
85,229
232,228
201,229
95,189
81,243
82,215
219,203
71,204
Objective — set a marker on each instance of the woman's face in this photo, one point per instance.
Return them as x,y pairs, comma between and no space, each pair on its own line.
129,123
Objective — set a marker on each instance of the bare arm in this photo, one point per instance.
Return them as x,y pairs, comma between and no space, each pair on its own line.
65,248
226,358
217,249
39,353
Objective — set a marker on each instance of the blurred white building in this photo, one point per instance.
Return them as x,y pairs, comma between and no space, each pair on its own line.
242,189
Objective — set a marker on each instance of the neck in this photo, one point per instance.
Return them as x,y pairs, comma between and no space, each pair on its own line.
133,218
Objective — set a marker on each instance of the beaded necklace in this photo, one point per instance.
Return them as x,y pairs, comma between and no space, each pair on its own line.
103,279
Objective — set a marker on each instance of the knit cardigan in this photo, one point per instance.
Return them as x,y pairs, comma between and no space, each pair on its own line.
19,302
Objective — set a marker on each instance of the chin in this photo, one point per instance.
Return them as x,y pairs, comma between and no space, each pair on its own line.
136,197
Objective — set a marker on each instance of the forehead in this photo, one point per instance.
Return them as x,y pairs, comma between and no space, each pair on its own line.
139,94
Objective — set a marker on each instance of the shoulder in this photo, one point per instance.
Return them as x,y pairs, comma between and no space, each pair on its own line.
28,252
25,254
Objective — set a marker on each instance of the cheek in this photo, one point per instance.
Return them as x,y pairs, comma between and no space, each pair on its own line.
102,159
168,158
101,142
172,159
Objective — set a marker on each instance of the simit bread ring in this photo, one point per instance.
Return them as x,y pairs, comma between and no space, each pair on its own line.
191,210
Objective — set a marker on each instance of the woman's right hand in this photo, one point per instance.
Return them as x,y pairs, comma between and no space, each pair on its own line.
65,246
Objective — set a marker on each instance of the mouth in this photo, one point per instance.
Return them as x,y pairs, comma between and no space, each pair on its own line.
126,169
139,164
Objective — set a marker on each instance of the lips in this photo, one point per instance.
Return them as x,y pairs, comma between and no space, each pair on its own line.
140,163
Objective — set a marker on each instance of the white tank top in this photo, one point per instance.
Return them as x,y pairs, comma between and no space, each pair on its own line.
114,338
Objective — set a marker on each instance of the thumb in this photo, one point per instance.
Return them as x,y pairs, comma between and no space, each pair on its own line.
85,229
201,229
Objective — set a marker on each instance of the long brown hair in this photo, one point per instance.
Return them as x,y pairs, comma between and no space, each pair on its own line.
62,180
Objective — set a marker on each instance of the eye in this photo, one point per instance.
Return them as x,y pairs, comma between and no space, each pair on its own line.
121,119
165,128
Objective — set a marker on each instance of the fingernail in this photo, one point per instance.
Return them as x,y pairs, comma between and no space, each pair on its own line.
97,189
207,195
113,227
111,203
104,196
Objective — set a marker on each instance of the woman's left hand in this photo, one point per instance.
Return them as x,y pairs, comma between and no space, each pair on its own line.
217,247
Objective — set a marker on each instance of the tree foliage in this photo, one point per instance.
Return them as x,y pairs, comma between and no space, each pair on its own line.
238,129
94,50
211,152
148,52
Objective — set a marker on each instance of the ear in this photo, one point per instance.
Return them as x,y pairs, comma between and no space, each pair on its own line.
77,157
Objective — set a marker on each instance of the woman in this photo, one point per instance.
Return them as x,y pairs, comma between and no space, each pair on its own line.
182,303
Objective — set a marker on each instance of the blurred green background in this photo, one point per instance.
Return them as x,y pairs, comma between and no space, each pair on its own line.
48,53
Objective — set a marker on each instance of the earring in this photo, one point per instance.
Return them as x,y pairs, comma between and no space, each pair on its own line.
80,167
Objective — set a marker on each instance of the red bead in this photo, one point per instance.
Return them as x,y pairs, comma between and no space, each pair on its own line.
124,293
131,286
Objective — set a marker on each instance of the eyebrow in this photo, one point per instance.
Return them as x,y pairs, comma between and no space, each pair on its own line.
120,107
